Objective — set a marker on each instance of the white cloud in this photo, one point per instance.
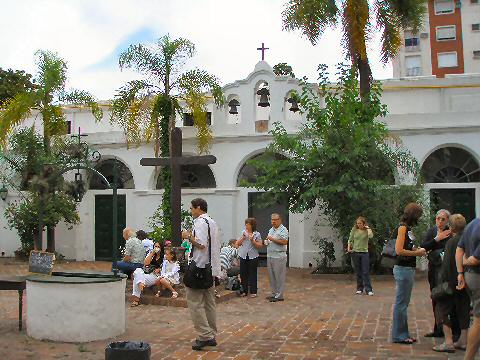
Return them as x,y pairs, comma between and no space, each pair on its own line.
226,34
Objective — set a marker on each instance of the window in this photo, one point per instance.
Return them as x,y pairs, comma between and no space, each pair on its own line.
105,167
445,33
444,7
447,59
450,165
411,42
475,27
476,54
69,127
413,65
194,176
188,119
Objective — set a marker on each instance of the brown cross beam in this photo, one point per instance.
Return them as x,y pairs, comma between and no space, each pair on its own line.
263,48
176,161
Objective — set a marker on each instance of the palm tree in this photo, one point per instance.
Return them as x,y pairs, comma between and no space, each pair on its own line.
312,17
46,99
146,108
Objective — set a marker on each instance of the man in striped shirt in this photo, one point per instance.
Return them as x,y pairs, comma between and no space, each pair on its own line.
229,259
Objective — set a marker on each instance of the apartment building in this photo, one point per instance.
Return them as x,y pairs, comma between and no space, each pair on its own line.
448,43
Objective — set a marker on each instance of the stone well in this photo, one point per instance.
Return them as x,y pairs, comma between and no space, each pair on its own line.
75,307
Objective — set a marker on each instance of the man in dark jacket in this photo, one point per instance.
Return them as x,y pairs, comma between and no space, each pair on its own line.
434,242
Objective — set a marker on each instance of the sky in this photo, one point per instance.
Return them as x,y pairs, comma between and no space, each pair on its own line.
90,35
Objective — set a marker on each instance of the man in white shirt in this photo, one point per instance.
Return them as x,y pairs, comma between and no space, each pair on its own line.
201,302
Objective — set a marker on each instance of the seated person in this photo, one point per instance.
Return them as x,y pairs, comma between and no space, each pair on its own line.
146,242
458,304
141,279
170,273
229,259
134,253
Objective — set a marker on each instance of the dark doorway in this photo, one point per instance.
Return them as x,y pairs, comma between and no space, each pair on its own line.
262,214
104,225
458,201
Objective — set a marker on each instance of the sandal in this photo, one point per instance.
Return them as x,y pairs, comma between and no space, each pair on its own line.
407,341
444,348
135,303
253,295
459,347
174,295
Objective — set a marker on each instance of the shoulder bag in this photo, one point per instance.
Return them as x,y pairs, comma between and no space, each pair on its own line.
199,278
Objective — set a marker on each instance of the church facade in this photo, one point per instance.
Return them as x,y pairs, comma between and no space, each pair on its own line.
438,120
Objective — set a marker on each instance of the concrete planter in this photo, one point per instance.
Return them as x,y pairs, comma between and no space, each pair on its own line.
75,307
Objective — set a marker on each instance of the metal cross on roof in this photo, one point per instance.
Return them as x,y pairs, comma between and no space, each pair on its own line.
263,48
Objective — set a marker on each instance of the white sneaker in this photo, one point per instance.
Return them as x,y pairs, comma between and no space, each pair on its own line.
359,292
370,293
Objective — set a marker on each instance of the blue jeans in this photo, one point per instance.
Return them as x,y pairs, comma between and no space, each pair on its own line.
127,267
361,264
404,278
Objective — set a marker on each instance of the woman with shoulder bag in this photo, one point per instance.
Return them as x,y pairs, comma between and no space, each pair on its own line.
458,303
149,274
404,272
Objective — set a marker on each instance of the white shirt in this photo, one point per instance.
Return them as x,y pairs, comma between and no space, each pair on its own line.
200,229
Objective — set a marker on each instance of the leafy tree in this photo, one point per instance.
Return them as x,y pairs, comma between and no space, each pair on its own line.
341,159
283,69
46,99
13,82
312,17
146,108
43,188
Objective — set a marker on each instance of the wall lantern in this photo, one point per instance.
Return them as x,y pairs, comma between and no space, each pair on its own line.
264,92
233,104
3,193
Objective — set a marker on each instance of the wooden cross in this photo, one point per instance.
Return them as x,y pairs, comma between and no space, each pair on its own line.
263,48
175,161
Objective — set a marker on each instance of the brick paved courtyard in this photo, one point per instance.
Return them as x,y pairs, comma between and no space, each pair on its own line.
320,319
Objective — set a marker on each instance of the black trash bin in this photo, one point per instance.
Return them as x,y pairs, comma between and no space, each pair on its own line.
128,350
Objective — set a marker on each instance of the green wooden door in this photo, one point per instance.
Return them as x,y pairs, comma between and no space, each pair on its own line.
262,213
104,225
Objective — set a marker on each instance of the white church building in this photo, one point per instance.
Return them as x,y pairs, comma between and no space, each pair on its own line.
437,119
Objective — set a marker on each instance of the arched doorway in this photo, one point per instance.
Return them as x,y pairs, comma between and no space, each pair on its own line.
256,208
448,172
104,209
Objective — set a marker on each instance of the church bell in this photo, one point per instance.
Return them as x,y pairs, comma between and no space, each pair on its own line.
233,104
263,97
294,108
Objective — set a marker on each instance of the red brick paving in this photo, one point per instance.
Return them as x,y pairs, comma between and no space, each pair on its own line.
320,319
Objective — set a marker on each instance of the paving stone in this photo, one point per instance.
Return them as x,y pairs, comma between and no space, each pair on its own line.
319,319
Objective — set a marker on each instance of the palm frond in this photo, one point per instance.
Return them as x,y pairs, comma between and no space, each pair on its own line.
131,109
142,59
410,13
311,17
82,97
54,120
52,72
15,112
388,21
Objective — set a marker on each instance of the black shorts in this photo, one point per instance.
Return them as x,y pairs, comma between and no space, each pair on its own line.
459,303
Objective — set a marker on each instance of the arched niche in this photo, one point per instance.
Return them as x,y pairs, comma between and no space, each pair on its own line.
450,165
290,106
249,173
105,167
262,113
194,176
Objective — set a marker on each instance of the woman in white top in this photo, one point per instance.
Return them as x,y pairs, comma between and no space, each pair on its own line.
170,273
248,246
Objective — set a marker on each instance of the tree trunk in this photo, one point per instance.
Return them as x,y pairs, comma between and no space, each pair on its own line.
365,76
51,239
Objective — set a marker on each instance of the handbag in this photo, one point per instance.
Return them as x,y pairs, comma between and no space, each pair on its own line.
389,255
441,291
199,278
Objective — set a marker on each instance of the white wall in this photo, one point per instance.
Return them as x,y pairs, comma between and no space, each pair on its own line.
471,39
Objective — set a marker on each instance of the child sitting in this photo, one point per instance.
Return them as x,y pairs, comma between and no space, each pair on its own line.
169,274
